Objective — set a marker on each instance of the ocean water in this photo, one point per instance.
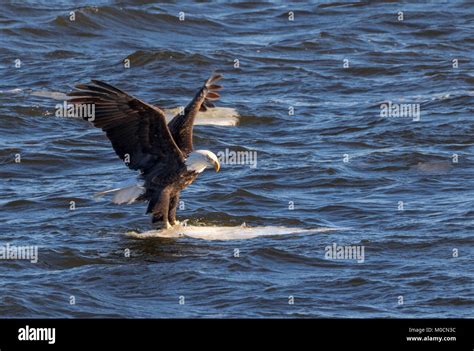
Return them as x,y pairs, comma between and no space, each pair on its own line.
310,86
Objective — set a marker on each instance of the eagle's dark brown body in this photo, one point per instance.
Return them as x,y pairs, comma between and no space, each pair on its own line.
164,186
142,139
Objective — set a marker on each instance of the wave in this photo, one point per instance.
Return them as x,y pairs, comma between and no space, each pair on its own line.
143,57
96,19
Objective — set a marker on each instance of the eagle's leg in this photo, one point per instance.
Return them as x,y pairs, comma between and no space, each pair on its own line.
160,210
172,209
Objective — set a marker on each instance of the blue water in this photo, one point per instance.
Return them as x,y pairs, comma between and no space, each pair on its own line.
405,193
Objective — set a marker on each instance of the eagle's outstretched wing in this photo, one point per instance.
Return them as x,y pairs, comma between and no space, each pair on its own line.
181,126
137,130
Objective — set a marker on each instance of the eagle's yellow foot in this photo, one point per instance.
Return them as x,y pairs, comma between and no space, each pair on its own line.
175,222
167,225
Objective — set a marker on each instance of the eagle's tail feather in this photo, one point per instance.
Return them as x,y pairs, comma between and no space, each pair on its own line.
127,195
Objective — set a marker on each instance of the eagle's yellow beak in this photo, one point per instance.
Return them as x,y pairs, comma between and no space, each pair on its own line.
217,166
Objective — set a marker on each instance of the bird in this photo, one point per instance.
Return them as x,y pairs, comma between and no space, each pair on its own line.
163,153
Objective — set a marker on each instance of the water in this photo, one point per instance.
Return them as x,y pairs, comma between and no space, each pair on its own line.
393,162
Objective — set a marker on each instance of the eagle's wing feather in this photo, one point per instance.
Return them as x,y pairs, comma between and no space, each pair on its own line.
181,126
137,130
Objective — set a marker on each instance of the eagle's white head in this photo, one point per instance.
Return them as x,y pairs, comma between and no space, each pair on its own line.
199,160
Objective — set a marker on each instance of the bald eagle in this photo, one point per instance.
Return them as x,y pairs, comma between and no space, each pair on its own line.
162,153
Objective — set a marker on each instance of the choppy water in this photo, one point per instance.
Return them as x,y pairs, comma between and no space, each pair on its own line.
283,64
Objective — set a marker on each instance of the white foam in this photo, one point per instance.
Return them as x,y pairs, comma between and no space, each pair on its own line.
216,116
50,94
11,91
225,233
